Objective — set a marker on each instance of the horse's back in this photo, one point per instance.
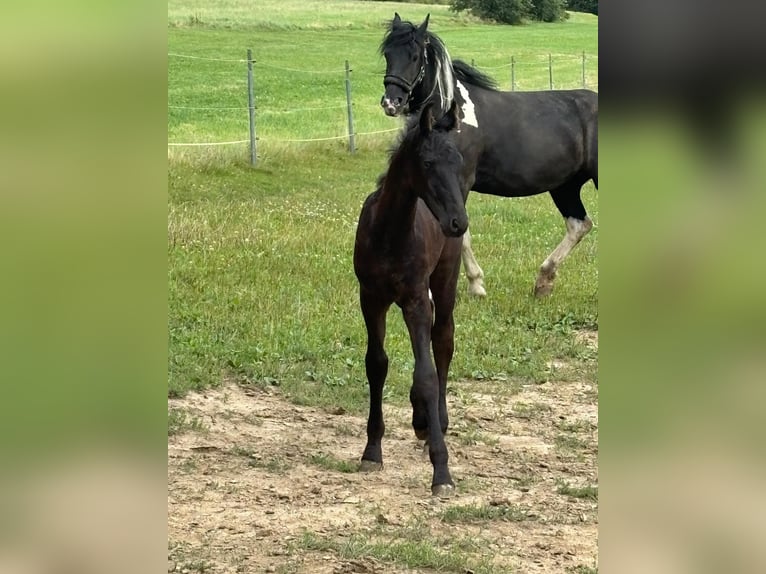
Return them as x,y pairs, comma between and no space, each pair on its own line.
532,142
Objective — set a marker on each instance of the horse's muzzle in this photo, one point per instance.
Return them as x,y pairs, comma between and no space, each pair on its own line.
392,107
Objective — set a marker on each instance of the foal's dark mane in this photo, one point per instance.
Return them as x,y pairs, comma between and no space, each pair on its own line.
403,139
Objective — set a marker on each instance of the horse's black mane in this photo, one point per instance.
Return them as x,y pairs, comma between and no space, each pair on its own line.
470,75
404,33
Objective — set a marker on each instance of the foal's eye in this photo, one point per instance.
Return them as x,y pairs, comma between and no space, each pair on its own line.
427,164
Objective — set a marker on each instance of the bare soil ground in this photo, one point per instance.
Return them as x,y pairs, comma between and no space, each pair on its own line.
268,486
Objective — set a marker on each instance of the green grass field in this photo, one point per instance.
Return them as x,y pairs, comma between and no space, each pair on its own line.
261,284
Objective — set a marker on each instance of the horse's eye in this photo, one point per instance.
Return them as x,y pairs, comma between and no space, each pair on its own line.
427,164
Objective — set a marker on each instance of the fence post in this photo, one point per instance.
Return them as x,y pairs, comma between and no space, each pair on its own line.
251,105
583,68
513,73
550,72
351,144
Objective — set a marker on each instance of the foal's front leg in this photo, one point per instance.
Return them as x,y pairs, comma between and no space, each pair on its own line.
376,365
424,394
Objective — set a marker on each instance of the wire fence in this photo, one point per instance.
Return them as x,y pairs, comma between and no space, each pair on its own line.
515,70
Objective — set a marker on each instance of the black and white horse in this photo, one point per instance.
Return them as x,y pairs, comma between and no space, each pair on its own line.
513,144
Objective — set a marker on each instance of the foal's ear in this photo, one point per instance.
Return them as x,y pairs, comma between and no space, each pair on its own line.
421,32
397,19
426,119
450,120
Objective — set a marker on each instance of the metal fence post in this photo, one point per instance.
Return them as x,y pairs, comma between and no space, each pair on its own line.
351,144
550,72
251,106
513,73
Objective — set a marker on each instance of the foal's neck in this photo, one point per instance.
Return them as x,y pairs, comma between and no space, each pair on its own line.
397,201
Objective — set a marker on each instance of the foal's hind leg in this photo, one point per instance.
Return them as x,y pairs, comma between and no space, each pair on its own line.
567,199
443,285
376,364
472,270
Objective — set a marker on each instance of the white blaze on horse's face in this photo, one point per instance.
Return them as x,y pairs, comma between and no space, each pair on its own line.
469,112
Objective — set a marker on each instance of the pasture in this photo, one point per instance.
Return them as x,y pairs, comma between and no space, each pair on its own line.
267,389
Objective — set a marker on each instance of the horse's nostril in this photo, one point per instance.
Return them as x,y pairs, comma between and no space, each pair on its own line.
455,225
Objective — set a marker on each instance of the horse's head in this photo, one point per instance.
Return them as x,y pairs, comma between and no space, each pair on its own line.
439,167
404,48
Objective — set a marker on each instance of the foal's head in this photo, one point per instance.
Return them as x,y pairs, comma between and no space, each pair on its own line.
435,166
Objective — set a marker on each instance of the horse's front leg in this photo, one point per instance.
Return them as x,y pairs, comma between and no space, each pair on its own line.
424,394
376,365
472,270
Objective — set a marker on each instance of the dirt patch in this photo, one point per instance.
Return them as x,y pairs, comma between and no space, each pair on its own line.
268,486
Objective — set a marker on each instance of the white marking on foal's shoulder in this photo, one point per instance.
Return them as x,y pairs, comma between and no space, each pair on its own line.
469,112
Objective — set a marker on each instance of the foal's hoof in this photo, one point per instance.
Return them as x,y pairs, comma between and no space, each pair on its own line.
370,466
442,490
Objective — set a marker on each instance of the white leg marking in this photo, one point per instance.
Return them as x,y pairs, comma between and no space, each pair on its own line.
472,270
468,110
576,230
433,306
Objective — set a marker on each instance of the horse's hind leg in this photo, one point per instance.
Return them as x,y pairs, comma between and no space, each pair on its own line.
376,365
567,199
472,270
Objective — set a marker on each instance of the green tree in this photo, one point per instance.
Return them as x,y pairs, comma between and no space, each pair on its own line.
590,6
549,10
513,11
505,11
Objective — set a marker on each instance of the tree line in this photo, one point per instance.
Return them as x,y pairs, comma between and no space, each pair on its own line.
518,11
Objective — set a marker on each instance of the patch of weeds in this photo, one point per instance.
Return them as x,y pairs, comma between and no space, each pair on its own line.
588,492
329,462
582,569
200,566
344,429
580,425
523,483
180,421
570,443
469,436
530,410
275,465
188,466
195,20
481,513
469,484
396,549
